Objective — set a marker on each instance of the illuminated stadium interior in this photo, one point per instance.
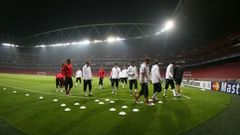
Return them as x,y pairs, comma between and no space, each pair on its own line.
200,37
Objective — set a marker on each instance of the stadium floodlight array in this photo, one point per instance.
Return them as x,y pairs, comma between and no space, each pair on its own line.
110,39
11,45
168,25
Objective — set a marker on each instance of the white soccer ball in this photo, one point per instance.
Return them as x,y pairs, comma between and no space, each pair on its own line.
4,88
27,95
41,97
14,91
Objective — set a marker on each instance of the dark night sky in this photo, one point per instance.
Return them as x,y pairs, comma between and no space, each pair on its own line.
22,18
197,20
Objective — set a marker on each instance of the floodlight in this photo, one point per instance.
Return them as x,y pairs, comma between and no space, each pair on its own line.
8,44
111,39
86,42
169,24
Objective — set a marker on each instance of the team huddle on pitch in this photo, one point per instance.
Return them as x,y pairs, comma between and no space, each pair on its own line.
146,76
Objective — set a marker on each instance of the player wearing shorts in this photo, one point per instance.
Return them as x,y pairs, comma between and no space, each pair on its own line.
178,75
59,82
62,71
78,76
115,78
68,72
132,77
169,79
144,79
87,79
101,74
124,77
156,80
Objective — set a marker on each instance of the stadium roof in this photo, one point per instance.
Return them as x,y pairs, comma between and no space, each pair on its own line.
198,21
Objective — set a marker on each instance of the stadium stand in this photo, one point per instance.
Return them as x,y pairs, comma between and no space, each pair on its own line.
34,60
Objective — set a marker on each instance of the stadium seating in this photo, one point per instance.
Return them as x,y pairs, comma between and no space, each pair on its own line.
33,60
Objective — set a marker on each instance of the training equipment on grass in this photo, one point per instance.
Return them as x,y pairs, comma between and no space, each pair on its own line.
124,107
135,110
14,91
76,103
160,102
96,100
112,102
101,103
107,100
67,109
4,88
40,97
55,100
27,95
112,109
122,113
82,107
62,105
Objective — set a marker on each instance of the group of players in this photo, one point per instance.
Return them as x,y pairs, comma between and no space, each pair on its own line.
145,77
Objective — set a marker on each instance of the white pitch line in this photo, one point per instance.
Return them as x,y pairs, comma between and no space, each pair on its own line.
186,96
30,90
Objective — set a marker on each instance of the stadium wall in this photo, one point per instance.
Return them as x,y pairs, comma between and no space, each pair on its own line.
222,71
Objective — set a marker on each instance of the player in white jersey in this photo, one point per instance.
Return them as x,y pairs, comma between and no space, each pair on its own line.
144,78
169,79
87,79
132,77
156,80
78,76
115,78
123,77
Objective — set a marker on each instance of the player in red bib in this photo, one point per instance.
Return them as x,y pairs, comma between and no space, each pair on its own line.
62,71
101,74
68,72
59,82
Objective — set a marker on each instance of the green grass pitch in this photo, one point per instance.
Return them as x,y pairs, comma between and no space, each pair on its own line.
45,117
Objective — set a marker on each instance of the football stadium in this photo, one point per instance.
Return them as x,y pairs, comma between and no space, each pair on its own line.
120,67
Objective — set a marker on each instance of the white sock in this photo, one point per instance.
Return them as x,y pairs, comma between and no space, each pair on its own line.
174,92
154,95
76,84
164,92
